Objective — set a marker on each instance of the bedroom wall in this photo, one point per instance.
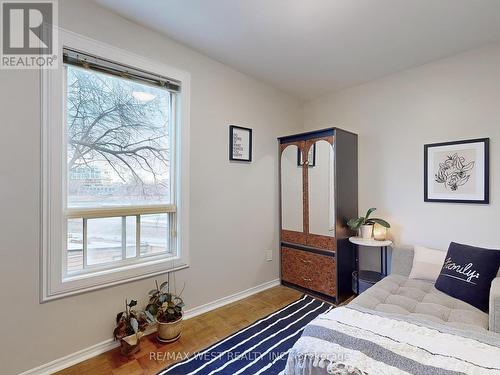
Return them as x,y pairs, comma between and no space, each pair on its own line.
451,99
234,206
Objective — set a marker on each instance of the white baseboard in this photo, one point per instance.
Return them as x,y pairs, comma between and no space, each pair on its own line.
72,359
92,351
229,299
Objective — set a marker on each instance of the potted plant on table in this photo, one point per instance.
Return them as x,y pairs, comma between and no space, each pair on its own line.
130,325
364,224
167,308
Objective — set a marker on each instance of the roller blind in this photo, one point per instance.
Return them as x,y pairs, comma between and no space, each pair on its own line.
88,61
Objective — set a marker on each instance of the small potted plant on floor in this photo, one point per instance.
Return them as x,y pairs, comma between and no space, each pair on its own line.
364,225
167,308
130,325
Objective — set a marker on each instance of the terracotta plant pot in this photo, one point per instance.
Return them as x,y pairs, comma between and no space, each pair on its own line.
170,332
130,344
366,231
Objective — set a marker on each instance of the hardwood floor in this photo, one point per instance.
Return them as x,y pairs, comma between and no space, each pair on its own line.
198,333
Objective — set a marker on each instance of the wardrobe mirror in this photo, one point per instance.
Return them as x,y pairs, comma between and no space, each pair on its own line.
291,190
321,193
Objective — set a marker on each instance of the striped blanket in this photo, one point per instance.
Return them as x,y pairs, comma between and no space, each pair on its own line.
351,341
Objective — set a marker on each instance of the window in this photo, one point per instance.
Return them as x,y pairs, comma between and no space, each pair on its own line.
119,166
116,182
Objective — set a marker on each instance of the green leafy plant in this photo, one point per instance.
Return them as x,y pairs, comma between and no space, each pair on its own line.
356,223
164,305
131,321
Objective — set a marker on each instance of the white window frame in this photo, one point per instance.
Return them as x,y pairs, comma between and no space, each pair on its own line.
53,281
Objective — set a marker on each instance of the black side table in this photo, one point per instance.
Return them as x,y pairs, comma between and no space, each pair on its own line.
367,277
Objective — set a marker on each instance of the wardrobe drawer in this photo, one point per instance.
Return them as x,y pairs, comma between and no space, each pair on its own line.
309,270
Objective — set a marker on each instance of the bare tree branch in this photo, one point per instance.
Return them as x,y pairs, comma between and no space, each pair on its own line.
107,124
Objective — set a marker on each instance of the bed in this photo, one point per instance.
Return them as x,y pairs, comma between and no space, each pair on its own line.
401,326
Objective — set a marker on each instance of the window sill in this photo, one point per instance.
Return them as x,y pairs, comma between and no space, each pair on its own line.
83,283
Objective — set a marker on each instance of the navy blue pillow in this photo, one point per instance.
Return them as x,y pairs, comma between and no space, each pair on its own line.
467,274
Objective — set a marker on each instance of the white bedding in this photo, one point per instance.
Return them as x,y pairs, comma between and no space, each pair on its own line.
350,341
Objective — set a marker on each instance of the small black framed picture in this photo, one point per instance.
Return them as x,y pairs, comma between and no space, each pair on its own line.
457,172
240,143
311,156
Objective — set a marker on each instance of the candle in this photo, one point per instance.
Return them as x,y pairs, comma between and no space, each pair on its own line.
379,232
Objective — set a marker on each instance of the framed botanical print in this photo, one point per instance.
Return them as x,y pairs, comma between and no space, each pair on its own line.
240,143
457,172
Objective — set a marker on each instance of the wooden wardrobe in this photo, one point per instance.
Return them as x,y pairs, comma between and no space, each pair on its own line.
318,194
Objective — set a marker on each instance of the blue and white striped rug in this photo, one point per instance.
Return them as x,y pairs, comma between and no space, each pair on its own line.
261,348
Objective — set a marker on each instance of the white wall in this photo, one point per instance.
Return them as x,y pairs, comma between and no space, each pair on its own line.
234,206
452,99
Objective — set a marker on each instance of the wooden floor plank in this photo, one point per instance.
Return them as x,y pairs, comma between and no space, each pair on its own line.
198,333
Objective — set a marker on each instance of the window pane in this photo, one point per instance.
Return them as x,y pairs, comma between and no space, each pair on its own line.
104,240
131,228
75,245
154,234
118,141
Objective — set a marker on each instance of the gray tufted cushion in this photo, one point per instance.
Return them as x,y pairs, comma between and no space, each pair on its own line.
419,300
495,305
